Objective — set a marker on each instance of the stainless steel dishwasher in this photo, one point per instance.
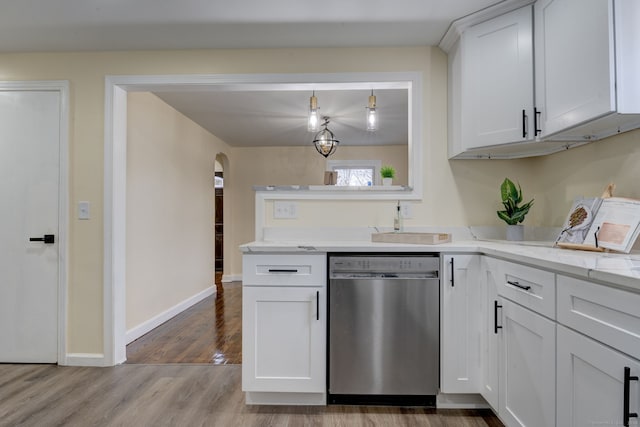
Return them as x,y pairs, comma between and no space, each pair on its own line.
384,329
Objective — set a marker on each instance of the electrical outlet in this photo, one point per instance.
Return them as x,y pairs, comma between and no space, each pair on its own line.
405,210
285,210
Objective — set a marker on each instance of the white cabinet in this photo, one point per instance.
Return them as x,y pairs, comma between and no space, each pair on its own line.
497,81
527,367
591,382
490,333
518,343
284,328
283,341
460,368
587,67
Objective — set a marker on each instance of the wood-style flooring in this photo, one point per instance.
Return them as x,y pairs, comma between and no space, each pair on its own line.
181,395
208,332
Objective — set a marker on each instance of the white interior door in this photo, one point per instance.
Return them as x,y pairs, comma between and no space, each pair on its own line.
29,190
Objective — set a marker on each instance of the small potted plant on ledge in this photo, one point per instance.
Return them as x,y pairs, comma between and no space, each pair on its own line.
513,214
387,173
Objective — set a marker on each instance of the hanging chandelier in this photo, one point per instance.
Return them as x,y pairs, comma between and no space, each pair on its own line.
325,142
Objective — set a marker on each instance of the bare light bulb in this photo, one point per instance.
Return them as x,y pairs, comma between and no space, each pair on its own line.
372,114
313,122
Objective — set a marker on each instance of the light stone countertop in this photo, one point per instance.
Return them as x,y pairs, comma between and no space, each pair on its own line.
619,270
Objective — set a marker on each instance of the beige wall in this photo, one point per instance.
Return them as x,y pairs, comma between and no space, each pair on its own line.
455,192
170,200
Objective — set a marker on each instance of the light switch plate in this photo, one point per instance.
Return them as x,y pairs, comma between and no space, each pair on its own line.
83,210
285,209
405,210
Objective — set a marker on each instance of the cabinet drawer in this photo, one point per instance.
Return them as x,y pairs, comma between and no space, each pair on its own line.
284,270
528,286
606,314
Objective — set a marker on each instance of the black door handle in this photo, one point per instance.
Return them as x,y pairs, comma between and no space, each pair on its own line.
452,280
48,239
496,306
625,404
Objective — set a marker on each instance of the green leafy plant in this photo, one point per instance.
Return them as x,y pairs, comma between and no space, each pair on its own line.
387,172
511,197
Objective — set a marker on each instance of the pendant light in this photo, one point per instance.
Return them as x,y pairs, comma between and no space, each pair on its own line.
372,114
325,142
313,122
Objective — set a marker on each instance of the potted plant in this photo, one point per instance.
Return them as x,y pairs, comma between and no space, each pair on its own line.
513,214
387,173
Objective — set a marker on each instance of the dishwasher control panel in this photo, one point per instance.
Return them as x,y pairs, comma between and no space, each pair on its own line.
384,264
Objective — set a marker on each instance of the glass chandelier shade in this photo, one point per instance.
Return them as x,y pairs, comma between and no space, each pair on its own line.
313,122
324,141
372,114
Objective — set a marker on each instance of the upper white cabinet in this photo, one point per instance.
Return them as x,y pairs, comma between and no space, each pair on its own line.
497,81
586,77
587,67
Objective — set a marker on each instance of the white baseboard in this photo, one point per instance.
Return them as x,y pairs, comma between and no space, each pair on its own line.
460,401
138,331
83,359
228,278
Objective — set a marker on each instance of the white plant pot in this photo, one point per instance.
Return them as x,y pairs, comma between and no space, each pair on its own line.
387,181
515,233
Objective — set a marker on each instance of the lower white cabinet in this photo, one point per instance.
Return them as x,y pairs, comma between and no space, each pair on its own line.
591,383
527,367
284,328
283,345
490,380
460,367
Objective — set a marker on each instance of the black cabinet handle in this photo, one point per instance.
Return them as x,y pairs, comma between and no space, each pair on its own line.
496,306
48,239
525,124
283,270
625,410
518,285
536,121
317,305
452,280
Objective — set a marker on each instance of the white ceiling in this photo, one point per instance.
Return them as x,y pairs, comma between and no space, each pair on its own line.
278,118
54,25
246,118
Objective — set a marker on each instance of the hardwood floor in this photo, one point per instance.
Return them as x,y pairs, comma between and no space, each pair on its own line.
180,395
208,332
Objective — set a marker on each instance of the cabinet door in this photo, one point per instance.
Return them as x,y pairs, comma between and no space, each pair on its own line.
591,382
490,332
575,71
283,343
527,365
497,80
460,335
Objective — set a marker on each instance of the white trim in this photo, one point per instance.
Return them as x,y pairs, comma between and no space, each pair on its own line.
61,86
115,142
85,359
148,325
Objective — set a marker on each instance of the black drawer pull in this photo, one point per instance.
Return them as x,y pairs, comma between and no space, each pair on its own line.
496,306
625,404
48,239
317,305
518,285
283,270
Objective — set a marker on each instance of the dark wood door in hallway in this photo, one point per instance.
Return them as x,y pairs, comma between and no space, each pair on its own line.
209,332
